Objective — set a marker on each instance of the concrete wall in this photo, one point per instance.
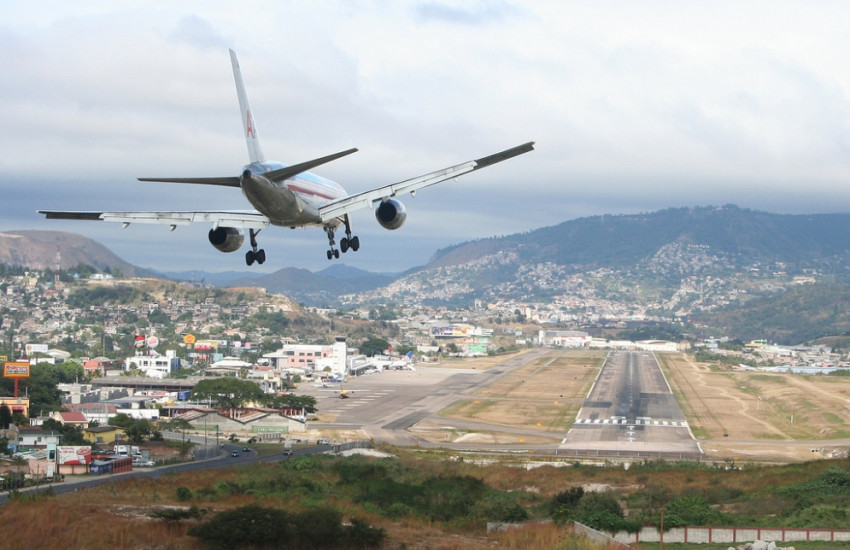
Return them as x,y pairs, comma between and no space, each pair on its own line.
701,535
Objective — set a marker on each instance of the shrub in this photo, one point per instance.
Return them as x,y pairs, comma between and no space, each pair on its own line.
184,494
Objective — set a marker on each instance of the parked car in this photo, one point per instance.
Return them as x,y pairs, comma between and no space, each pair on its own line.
322,442
144,463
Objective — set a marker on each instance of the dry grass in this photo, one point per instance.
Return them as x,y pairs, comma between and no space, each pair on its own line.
741,413
538,400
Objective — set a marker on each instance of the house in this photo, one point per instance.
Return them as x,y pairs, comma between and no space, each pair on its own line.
104,435
76,419
36,436
17,405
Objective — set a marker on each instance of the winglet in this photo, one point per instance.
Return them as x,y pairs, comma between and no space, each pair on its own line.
252,138
504,155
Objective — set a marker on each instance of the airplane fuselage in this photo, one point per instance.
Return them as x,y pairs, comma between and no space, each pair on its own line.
293,202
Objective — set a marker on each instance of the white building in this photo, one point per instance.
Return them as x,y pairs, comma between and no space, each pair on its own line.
564,338
157,366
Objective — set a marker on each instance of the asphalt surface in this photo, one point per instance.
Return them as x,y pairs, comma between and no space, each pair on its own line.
631,408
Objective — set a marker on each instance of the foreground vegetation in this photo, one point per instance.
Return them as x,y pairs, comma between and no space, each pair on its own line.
424,499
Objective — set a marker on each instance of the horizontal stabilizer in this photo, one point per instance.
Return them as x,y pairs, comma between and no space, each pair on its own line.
292,171
227,181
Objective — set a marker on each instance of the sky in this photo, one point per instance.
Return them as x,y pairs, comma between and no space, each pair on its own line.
634,107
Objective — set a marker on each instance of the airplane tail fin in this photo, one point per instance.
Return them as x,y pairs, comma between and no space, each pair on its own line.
252,138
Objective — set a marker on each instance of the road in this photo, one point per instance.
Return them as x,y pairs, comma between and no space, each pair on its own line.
224,460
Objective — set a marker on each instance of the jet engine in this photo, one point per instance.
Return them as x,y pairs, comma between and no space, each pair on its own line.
226,239
391,214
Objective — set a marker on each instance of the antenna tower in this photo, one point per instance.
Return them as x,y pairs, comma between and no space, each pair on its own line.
56,282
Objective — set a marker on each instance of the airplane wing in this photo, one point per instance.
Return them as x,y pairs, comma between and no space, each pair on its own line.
219,218
366,199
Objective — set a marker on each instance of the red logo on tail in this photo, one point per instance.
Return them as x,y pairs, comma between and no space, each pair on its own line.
250,125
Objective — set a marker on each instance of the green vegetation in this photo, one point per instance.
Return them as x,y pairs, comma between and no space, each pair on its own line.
255,526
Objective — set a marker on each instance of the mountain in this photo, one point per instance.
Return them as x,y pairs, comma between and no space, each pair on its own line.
738,235
39,249
720,270
321,288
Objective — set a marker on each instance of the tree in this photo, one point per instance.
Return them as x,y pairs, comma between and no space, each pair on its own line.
291,401
5,416
374,346
230,393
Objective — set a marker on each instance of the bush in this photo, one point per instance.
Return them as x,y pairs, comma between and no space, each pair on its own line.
255,526
184,494
362,535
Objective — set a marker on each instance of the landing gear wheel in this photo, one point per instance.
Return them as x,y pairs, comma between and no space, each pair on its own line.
254,255
330,254
349,242
336,253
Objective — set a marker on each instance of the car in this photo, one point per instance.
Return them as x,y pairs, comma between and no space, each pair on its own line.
144,463
234,453
246,450
322,442
287,452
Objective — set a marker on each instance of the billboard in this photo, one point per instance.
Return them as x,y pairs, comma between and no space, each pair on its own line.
35,348
16,369
73,454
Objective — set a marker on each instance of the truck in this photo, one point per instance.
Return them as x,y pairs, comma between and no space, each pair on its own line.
126,450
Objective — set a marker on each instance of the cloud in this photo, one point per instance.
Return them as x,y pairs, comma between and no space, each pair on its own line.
199,32
635,106
470,13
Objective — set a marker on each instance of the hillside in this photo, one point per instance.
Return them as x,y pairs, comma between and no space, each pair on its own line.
38,249
321,288
738,236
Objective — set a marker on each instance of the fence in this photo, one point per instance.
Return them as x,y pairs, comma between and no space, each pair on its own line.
205,446
700,535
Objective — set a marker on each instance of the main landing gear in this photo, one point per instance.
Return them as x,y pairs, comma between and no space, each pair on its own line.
345,244
254,255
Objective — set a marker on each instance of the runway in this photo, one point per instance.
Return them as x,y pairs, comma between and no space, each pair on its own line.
630,409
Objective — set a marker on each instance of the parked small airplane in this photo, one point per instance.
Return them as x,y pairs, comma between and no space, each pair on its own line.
288,196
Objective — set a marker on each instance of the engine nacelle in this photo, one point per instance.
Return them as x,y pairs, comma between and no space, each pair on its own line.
391,214
226,239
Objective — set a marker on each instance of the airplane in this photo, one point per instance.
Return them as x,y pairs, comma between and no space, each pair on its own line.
288,196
